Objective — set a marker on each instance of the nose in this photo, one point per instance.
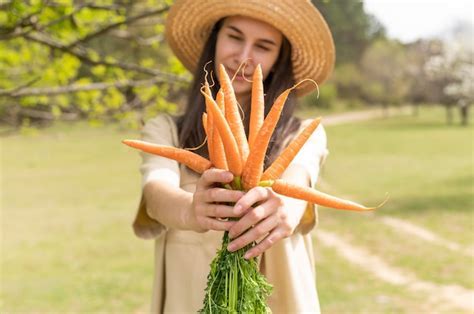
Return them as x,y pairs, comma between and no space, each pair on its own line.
244,53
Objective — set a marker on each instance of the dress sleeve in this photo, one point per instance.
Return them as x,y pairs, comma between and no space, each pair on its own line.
311,157
160,130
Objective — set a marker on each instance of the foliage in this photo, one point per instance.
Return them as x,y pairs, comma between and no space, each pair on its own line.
384,76
348,79
95,59
353,29
234,284
325,99
454,66
107,60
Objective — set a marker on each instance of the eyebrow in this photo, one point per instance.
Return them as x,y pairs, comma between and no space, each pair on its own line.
263,40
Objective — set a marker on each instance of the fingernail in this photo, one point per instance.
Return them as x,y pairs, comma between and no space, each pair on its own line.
231,247
248,255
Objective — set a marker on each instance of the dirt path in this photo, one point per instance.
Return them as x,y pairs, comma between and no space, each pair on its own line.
437,295
424,234
413,229
364,115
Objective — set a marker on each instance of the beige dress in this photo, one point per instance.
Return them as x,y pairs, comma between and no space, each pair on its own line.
182,258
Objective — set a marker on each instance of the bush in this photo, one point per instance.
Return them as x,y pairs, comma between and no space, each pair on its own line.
327,97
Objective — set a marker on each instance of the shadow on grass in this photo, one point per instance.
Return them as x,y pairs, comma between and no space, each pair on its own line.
454,202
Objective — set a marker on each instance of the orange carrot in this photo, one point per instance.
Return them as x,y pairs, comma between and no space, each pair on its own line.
219,152
234,161
313,196
220,100
286,157
257,106
204,124
190,159
253,169
232,114
208,129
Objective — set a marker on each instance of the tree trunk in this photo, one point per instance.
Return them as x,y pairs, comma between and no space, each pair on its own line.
464,111
449,114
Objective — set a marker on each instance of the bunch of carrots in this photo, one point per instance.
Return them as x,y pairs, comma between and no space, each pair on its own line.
234,283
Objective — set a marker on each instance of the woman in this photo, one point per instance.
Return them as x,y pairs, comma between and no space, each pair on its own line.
291,41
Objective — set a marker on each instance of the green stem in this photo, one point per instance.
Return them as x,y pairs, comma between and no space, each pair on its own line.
266,183
237,183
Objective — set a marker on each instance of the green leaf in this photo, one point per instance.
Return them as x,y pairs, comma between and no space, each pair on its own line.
99,70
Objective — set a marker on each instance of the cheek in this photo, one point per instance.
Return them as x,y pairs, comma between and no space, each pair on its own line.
221,48
267,63
224,49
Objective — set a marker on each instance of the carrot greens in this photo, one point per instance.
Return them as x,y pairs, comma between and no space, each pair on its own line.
234,284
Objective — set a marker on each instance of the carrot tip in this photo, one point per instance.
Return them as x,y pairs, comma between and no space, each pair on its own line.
387,196
130,143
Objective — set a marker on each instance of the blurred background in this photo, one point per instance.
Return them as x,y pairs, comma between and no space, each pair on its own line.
76,77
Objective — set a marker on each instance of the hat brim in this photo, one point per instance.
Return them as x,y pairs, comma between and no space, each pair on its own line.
190,22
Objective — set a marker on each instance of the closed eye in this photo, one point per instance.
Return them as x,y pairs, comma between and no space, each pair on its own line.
235,37
264,48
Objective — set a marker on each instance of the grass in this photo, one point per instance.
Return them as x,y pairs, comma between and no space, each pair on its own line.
427,168
69,198
342,288
69,194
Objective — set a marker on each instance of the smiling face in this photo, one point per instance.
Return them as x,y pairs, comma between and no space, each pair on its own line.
246,39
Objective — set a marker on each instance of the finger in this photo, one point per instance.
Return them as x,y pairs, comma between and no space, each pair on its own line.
212,176
214,224
255,233
215,195
274,236
252,217
253,196
220,211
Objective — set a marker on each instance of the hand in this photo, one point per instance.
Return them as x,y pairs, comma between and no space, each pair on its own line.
268,219
208,199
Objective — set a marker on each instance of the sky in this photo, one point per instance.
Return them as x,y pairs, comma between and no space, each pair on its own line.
409,20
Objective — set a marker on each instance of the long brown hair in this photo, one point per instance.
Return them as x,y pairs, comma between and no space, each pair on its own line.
190,129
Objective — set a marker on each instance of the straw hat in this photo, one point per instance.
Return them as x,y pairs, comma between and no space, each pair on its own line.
190,23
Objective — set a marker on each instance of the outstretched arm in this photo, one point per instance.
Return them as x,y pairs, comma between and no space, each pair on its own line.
199,211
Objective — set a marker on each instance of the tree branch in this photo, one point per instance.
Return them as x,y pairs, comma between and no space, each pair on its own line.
25,25
115,25
74,88
85,58
20,29
142,41
45,115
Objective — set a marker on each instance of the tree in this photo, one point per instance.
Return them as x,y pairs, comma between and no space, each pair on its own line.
95,59
352,28
423,89
384,70
455,69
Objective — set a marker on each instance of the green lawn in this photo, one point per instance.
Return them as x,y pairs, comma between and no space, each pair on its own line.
427,169
69,196
70,192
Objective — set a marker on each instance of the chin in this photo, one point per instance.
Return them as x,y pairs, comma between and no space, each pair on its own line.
241,87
